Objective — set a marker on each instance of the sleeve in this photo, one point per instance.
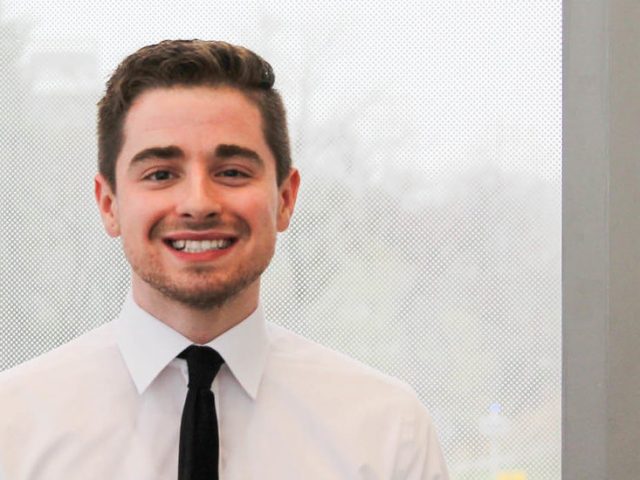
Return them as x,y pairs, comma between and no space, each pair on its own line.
419,455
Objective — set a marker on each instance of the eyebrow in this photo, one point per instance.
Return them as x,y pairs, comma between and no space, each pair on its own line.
165,153
172,152
228,151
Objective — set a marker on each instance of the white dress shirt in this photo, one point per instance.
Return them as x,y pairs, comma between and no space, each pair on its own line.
108,406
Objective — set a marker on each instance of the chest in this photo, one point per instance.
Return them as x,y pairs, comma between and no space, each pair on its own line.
284,435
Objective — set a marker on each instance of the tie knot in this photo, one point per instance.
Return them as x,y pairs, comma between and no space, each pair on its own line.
203,364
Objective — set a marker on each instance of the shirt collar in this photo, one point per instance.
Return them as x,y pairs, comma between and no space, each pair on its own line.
149,345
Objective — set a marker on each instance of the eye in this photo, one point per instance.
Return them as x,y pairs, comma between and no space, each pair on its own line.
159,176
233,173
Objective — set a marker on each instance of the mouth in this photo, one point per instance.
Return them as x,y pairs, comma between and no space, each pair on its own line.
199,246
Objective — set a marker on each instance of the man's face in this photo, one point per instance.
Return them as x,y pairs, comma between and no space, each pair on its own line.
197,203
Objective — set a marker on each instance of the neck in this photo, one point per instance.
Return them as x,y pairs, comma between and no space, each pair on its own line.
198,325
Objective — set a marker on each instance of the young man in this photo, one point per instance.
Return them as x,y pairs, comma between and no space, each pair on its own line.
190,381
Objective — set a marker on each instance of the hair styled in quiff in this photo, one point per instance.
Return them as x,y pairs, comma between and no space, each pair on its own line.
188,63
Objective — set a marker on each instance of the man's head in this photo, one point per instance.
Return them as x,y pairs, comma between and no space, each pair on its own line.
202,186
191,63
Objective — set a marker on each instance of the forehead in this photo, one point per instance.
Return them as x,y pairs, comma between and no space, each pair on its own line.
178,107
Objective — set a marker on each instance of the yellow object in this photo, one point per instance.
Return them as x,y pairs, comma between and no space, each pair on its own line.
512,475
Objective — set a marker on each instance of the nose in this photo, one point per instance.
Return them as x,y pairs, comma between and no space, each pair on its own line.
200,198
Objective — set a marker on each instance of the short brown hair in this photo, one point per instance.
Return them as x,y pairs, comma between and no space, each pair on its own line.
191,63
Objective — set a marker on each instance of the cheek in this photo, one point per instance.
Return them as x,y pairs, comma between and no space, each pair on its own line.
263,223
257,207
140,214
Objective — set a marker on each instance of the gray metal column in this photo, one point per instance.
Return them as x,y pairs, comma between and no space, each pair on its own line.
601,240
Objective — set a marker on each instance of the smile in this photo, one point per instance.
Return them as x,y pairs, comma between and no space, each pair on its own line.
197,246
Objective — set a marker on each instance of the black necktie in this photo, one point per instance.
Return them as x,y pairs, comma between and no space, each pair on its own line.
199,448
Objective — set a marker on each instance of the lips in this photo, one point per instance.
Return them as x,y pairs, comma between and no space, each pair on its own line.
194,243
197,246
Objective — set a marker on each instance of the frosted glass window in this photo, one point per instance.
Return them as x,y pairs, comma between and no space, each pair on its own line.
426,241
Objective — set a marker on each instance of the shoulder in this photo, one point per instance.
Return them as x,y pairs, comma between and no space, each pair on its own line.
57,369
345,402
60,401
309,366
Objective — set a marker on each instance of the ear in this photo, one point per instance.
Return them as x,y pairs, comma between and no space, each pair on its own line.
108,205
287,193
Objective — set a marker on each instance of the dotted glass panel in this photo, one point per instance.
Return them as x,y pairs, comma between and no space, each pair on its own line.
426,240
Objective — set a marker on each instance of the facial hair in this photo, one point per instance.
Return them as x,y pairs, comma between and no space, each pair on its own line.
205,289
201,299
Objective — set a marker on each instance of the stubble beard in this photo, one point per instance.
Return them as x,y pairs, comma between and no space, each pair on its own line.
196,290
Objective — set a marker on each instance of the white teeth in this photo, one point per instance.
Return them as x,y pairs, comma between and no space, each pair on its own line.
195,246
